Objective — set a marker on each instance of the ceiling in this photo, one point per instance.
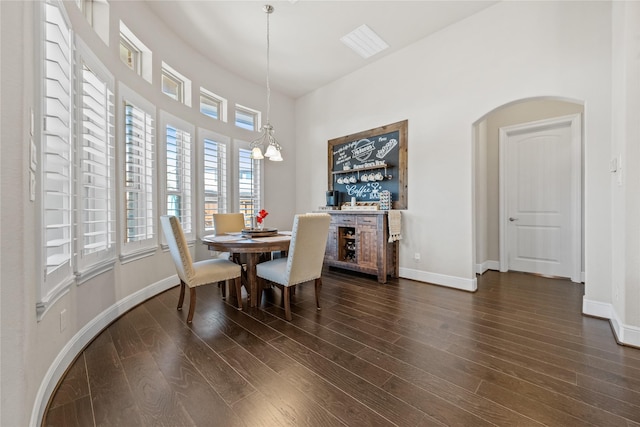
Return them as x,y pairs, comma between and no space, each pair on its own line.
305,47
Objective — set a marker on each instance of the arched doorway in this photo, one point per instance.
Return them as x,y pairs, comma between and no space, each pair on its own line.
486,151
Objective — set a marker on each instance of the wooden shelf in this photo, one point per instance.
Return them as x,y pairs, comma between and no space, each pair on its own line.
368,168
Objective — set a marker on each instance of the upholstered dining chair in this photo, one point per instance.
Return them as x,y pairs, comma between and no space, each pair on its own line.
228,223
194,274
303,262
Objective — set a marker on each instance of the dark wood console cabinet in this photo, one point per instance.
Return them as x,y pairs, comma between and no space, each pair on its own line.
359,241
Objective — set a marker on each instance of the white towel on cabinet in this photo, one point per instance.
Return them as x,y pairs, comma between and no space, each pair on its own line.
395,225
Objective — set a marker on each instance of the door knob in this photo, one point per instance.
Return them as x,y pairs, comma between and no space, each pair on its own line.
512,219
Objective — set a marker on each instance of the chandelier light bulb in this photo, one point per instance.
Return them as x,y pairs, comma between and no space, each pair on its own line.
256,153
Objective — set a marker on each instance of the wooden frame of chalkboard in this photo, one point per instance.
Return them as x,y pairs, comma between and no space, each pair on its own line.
365,163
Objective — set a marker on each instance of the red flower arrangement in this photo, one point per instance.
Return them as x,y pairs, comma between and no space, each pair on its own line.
261,216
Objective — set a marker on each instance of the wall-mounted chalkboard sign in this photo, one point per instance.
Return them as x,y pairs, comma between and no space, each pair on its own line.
364,164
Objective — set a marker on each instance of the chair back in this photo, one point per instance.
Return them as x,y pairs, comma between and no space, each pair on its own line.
308,244
228,222
178,247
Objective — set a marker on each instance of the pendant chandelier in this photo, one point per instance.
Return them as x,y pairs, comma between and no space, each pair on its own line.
266,138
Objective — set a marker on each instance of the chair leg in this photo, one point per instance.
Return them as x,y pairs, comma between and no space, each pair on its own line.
287,303
318,284
261,285
238,283
192,304
223,287
181,298
282,296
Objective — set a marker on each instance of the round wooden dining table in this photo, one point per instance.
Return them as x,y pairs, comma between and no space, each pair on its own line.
253,247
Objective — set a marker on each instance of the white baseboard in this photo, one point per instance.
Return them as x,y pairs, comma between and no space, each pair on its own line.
487,265
596,308
75,345
625,334
440,279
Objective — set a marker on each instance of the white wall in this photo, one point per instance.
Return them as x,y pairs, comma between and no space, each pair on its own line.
445,83
35,354
625,200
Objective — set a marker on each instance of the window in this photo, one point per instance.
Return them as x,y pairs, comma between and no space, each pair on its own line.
96,171
55,142
171,86
86,6
175,85
129,54
178,160
139,226
247,118
134,53
215,198
249,185
97,14
212,105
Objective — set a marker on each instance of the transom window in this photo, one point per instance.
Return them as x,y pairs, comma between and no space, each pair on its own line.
246,118
129,54
175,85
212,105
172,86
134,53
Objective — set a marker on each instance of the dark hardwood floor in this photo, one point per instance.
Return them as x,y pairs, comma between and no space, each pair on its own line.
516,352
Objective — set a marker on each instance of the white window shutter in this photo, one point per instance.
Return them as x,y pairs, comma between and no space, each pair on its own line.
57,161
215,180
179,177
249,184
139,187
96,174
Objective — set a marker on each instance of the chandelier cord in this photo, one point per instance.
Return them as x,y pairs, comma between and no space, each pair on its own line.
268,67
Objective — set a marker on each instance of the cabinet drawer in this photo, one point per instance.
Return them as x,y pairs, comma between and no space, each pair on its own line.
344,220
367,220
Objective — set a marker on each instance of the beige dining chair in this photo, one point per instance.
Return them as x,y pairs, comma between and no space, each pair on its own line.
229,223
194,274
304,261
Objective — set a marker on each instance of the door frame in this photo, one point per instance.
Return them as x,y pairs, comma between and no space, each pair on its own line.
574,121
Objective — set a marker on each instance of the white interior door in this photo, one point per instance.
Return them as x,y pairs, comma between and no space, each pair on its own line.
541,197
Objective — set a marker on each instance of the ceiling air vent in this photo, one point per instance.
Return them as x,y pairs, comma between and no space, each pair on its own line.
364,41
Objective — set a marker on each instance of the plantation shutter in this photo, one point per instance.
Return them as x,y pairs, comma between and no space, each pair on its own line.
215,181
248,185
57,155
179,189
96,216
139,188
